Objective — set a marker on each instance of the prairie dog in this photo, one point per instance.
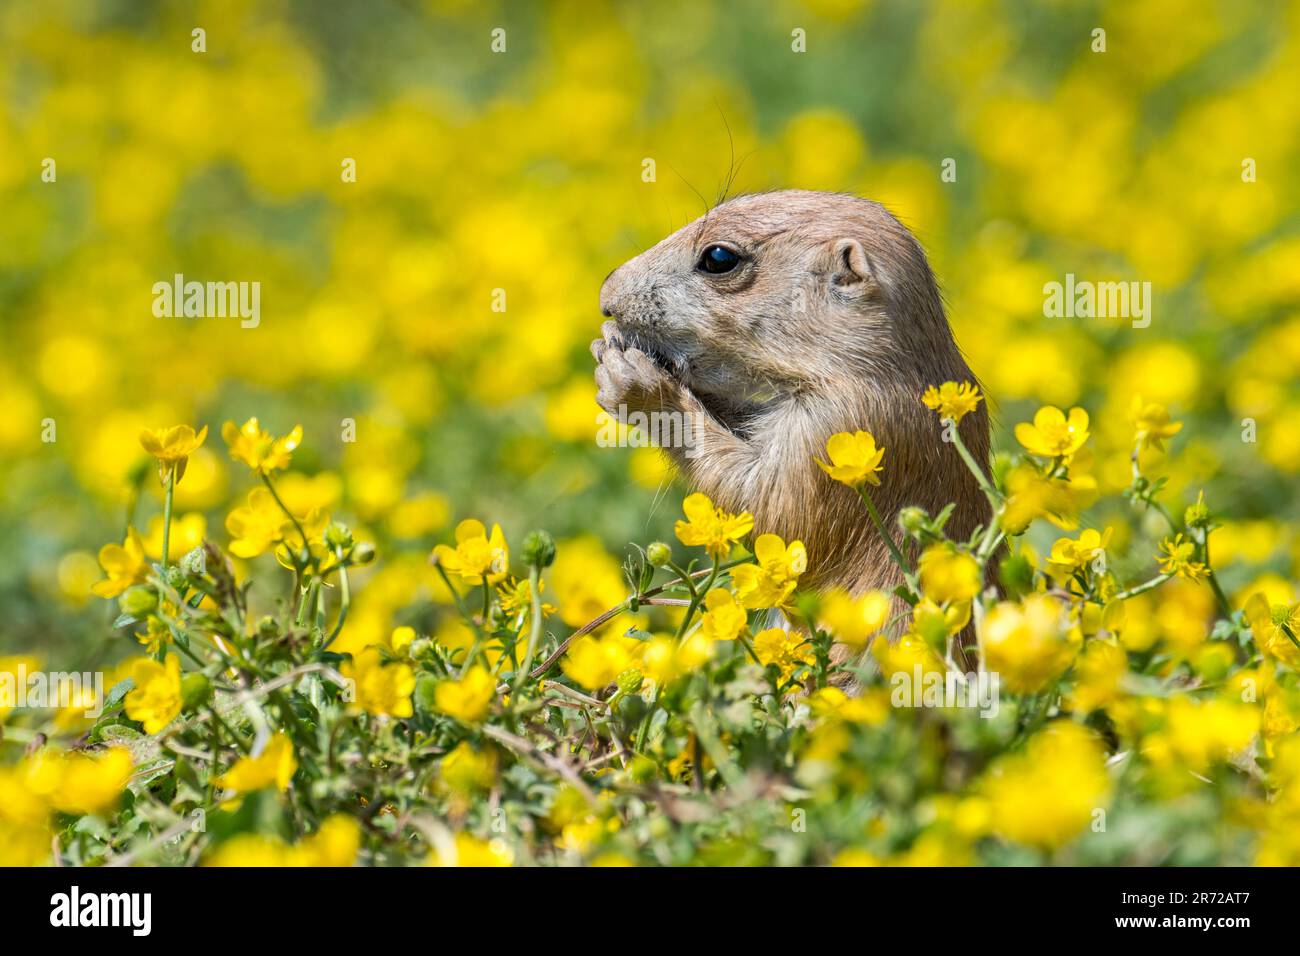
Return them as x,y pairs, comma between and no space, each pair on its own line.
774,321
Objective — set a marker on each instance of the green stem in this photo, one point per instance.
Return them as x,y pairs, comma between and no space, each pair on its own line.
989,491
345,600
1155,582
896,554
535,631
167,515
266,480
697,595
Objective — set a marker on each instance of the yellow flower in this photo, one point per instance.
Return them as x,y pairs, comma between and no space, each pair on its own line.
1030,496
664,659
1197,734
336,844
156,698
260,450
1029,644
381,689
854,458
516,597
1276,629
1047,793
156,634
1069,555
125,564
467,699
854,621
788,650
585,580
82,783
256,526
937,623
711,528
948,575
723,618
274,767
1151,422
471,851
1176,558
466,770
952,401
13,671
1100,670
172,447
597,662
772,581
1052,434
476,554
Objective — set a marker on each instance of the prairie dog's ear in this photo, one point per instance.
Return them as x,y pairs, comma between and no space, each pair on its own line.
852,272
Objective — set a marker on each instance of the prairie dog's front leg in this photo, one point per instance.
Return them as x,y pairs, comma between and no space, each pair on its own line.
630,382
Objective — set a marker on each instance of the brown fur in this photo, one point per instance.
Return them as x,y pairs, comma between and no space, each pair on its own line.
832,322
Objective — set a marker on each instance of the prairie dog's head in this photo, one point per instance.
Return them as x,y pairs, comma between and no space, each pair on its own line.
779,293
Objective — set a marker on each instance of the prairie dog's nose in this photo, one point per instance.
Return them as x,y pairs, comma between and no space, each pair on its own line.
609,294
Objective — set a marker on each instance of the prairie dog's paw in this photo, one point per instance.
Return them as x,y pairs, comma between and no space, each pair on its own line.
629,381
610,336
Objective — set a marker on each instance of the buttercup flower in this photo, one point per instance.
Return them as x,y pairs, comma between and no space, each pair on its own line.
80,783
256,526
723,618
788,650
771,582
1069,555
467,699
1030,644
274,767
476,555
381,689
125,564
1046,794
172,447
948,575
1276,629
952,401
855,459
467,850
258,449
1032,496
596,662
710,527
854,621
1053,434
1152,423
1176,556
664,659
156,698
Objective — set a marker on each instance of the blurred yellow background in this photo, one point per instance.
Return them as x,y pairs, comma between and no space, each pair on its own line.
523,170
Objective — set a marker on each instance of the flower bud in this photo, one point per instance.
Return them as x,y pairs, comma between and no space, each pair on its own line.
913,520
195,562
196,690
539,549
138,601
338,535
177,578
658,554
1198,513
363,553
425,687
630,681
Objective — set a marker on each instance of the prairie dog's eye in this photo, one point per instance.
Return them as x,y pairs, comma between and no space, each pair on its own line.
718,259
